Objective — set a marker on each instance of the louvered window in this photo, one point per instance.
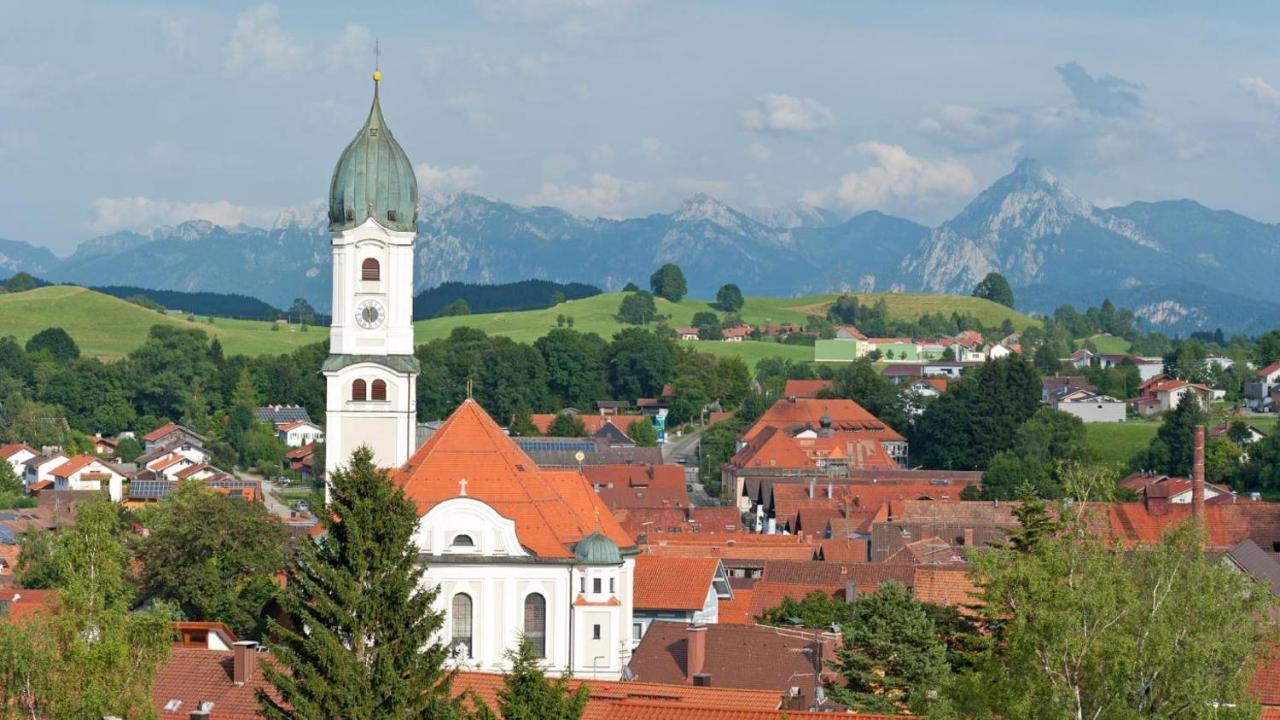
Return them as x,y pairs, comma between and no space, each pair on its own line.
358,392
378,390
370,270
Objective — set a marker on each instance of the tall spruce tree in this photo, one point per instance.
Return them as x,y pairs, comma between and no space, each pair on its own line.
528,694
360,646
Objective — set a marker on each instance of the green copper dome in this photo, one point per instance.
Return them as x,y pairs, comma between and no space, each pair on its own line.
596,549
374,179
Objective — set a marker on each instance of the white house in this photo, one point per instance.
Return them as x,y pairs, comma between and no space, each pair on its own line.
299,433
680,590
40,468
1092,407
171,465
88,472
17,454
518,550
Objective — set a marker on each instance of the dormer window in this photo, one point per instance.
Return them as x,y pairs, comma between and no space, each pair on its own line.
463,541
370,270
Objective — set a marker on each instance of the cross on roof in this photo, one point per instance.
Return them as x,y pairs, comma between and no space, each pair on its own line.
462,487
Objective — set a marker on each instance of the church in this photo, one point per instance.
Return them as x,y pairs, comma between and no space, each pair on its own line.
514,550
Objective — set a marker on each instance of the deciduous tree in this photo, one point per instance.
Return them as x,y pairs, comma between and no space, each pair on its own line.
668,282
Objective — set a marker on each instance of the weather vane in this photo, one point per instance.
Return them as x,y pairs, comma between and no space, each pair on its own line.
377,58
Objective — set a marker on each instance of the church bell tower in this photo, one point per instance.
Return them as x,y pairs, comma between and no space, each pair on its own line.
371,373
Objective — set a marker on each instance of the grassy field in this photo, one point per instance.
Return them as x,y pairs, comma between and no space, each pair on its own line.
1117,442
1106,344
109,328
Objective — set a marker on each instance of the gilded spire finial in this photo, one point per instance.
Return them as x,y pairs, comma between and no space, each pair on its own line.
377,58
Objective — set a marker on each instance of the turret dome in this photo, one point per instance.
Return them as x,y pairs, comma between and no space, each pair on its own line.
374,179
596,549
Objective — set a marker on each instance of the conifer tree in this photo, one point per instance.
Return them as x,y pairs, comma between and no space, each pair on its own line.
359,646
528,694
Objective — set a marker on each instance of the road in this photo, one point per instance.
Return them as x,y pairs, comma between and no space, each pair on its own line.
687,446
269,496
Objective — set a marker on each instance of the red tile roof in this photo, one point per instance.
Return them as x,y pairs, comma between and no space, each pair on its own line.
950,587
652,522
552,510
1273,367
805,388
672,583
286,427
639,486
592,423
737,609
20,604
8,451
845,416
78,463
765,595
742,546
195,675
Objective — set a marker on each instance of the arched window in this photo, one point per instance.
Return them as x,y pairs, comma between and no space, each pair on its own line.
535,623
370,270
378,391
461,625
463,541
358,391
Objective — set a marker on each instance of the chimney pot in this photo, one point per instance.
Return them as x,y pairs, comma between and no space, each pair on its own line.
243,655
696,652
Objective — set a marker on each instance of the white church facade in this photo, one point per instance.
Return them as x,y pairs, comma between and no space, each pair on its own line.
514,550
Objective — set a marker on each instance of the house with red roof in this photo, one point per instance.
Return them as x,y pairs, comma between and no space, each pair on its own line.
89,472
518,549
735,334
806,389
17,454
688,334
1162,394
679,590
297,433
171,434
639,486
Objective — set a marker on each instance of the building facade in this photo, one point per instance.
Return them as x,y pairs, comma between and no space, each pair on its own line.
371,373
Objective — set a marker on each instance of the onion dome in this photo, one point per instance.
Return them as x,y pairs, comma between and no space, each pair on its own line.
374,179
596,549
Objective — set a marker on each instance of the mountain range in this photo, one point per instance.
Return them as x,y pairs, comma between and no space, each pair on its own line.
1180,265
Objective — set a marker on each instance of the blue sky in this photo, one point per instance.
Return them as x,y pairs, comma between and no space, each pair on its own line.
129,115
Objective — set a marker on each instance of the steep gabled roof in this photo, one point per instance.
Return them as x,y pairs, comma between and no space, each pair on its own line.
77,464
672,583
552,509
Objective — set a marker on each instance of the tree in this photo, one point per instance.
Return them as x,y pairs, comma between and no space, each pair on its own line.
995,288
10,483
18,282
454,309
708,324
1046,359
978,416
360,642
1171,450
891,660
575,367
1130,634
567,425
88,656
729,298
128,449
818,610
302,313
668,282
260,448
643,433
630,287
522,424
637,308
214,556
527,693
56,342
639,363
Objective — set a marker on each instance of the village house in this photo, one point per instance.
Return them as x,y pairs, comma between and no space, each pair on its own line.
17,455
688,334
299,432
1259,390
735,334
39,469
1091,406
172,436
88,472
277,415
677,590
639,486
1161,394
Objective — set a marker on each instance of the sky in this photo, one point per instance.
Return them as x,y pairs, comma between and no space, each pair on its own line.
130,115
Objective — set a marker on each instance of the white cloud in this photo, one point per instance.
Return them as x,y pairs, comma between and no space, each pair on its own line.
177,36
896,179
654,149
605,196
354,46
969,128
1261,91
434,180
144,214
759,152
258,43
602,155
786,114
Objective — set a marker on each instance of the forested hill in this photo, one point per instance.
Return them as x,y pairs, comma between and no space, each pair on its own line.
523,295
229,305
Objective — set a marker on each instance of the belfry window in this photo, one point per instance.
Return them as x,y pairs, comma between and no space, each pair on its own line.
461,625
535,623
378,391
370,270
358,393
463,541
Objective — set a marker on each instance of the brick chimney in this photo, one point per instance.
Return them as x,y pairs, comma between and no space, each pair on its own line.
1197,475
695,651
244,655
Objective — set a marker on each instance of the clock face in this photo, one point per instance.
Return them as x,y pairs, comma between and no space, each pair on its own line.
369,314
